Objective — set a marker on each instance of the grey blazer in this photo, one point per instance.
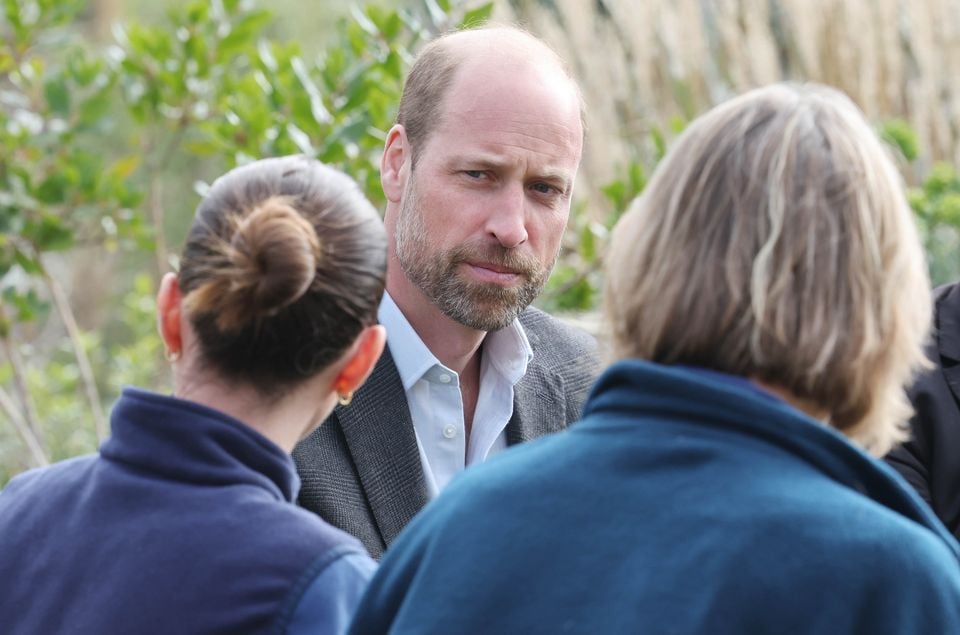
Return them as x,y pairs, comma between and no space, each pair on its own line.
361,471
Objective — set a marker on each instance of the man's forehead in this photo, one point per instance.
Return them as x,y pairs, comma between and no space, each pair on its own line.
525,94
491,130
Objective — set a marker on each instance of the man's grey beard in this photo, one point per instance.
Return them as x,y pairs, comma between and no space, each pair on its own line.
477,305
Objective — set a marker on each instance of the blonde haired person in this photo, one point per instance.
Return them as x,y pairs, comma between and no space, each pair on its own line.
185,522
768,300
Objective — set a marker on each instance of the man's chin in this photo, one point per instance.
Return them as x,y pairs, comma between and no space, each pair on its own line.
486,322
482,311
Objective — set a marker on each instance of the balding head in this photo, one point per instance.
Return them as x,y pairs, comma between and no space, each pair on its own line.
502,49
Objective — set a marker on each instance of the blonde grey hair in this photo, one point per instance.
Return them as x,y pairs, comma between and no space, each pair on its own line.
775,242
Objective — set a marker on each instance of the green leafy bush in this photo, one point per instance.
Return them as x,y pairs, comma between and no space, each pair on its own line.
97,142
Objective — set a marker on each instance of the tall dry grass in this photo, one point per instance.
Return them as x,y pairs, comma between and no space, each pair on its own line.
642,62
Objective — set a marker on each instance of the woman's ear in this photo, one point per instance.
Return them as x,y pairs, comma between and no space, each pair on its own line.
168,314
361,359
395,163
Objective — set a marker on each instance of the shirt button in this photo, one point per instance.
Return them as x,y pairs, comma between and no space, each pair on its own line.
444,379
449,431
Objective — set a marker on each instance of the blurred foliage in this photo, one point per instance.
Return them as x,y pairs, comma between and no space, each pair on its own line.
577,280
936,202
91,136
937,205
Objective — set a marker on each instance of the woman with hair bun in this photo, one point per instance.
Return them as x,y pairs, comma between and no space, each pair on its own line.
185,522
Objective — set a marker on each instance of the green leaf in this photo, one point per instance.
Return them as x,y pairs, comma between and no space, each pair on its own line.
615,191
7,62
49,234
364,18
476,17
918,200
57,95
52,190
124,167
638,179
392,26
677,124
28,264
948,209
84,70
901,135
942,179
394,67
27,306
659,144
244,33
198,12
301,139
317,109
587,244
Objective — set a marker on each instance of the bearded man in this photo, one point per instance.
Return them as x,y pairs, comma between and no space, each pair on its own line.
478,173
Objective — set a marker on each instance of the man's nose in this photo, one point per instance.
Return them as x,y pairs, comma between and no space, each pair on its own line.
507,220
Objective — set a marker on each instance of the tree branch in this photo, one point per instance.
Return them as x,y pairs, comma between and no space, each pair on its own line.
83,361
23,394
23,429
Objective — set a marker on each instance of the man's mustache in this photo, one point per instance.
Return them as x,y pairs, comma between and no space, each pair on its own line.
498,257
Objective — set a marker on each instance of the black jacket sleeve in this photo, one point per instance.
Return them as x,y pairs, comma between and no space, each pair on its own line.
930,460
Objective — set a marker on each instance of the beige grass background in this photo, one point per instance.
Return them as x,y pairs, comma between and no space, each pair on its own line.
642,62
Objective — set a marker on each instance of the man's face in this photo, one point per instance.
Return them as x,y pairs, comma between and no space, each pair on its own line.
483,211
485,301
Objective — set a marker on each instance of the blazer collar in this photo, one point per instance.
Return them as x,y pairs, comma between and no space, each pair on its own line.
379,432
539,401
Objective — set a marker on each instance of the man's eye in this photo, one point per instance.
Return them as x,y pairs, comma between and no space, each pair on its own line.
474,174
544,188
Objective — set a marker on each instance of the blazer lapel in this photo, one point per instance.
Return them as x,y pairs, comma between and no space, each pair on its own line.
539,405
379,433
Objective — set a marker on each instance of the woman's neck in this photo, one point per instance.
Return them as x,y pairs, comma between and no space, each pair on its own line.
284,420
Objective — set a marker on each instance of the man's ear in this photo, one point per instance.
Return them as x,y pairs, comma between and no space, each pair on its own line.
362,357
395,163
168,313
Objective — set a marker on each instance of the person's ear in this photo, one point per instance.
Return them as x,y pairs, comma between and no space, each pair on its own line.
395,163
362,357
168,315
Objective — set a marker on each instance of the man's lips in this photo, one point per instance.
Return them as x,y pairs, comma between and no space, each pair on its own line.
489,272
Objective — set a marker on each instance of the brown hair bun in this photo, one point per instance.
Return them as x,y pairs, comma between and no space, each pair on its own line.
269,263
269,305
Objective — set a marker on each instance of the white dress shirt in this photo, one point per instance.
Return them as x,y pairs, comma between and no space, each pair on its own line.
435,401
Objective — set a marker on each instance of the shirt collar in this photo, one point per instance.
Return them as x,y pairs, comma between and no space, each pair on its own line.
410,355
507,350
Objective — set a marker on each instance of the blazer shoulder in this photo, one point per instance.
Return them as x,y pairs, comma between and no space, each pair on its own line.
545,331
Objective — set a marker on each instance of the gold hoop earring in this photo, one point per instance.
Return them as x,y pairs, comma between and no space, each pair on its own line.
346,399
171,356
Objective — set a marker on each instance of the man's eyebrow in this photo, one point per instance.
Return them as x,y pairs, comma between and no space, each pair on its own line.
555,176
478,160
